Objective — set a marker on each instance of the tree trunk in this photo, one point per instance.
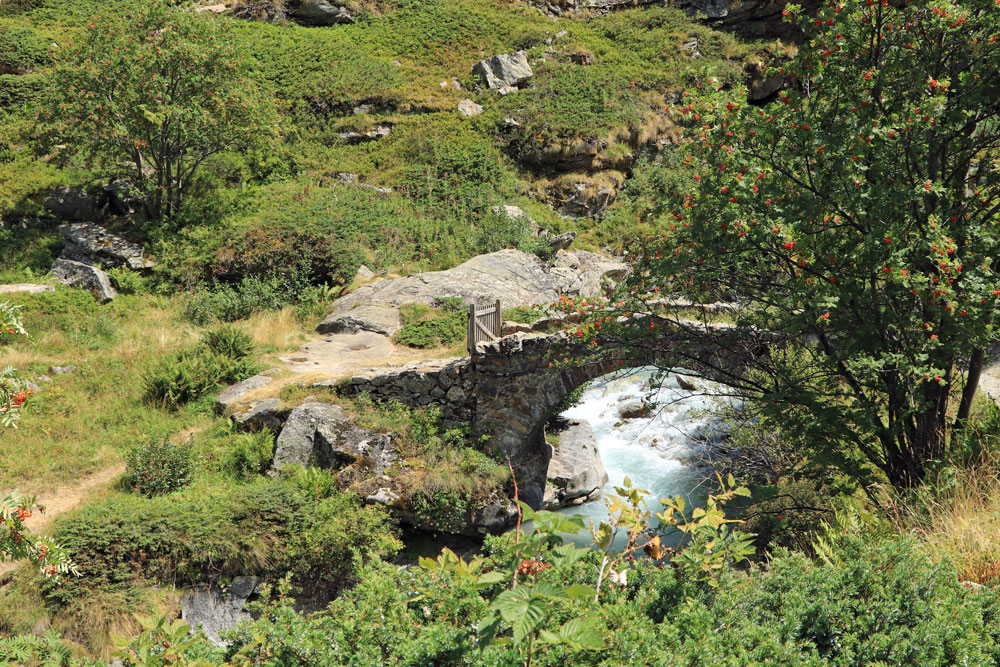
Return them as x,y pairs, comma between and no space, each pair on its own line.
971,385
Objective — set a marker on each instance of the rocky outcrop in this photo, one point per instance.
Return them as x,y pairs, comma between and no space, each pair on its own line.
576,473
588,7
377,318
509,69
750,18
84,276
587,273
469,108
319,13
514,277
260,415
92,244
72,204
216,608
562,241
237,393
352,138
25,288
585,198
322,435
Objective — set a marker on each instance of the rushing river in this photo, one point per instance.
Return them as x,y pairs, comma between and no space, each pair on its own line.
655,451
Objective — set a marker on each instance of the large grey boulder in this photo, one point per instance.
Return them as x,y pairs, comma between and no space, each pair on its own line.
509,69
92,244
323,435
587,273
514,277
236,394
216,608
374,317
320,13
84,276
576,473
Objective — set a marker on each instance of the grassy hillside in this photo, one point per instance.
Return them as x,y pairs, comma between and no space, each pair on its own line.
836,571
398,68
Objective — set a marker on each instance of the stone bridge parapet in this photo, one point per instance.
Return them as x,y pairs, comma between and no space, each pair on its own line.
511,387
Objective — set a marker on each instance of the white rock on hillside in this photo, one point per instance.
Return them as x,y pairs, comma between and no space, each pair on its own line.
509,69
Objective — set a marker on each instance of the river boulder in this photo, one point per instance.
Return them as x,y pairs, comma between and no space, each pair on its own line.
576,473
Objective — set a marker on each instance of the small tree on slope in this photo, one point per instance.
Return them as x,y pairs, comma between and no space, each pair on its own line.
151,92
857,216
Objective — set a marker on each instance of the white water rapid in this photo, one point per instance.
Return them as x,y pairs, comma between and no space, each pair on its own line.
654,450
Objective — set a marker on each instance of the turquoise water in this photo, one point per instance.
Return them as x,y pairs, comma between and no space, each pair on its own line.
654,451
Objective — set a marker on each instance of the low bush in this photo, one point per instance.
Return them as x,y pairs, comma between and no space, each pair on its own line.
249,455
159,466
127,281
258,528
17,89
499,232
425,327
875,604
229,341
21,49
192,373
230,302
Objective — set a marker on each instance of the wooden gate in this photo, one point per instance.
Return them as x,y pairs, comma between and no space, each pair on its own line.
484,324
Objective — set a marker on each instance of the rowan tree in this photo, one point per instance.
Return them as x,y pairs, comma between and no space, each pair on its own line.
16,541
150,92
14,391
854,221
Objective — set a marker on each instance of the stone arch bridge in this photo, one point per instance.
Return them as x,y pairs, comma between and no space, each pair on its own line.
508,389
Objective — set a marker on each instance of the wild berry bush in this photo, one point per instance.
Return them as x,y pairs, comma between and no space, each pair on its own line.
159,466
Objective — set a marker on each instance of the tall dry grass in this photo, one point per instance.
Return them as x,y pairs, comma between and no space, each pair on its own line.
957,517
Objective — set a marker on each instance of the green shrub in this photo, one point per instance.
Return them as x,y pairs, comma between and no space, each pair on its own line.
205,531
159,466
229,341
17,89
425,327
526,314
250,455
21,49
569,102
442,509
229,303
498,232
127,281
316,483
190,374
